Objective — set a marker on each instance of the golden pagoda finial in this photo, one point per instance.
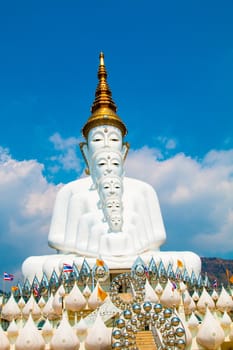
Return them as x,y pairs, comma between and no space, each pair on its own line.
103,108
101,58
103,95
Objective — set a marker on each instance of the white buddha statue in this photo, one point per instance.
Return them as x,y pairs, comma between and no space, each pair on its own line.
77,217
77,207
106,213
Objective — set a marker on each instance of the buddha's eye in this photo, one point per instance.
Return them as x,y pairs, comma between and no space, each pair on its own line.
114,139
97,137
101,163
96,140
106,187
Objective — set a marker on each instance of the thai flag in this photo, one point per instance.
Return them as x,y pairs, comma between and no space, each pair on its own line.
8,276
36,292
174,286
67,268
215,284
146,271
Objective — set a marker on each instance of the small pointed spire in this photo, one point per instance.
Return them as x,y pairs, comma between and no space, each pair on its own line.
101,58
103,108
103,95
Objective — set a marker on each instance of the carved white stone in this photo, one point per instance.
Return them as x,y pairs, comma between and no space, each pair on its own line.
99,336
225,302
150,294
75,301
4,342
31,307
170,296
11,309
210,335
103,136
77,225
110,186
29,337
64,336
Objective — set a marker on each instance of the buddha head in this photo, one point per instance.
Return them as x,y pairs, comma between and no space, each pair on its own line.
104,163
113,206
110,186
104,136
115,223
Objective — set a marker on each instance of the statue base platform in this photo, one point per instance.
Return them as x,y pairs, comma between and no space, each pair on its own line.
37,265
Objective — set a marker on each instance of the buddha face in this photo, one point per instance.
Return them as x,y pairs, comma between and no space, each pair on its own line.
112,206
113,214
115,223
110,186
105,163
104,136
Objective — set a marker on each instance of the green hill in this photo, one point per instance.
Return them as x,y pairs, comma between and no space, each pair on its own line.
217,268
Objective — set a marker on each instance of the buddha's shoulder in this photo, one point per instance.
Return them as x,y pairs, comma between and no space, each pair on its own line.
80,185
135,183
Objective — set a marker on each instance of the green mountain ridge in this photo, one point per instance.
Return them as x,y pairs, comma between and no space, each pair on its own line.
219,269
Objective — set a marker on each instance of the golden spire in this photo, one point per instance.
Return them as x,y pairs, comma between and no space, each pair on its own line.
103,108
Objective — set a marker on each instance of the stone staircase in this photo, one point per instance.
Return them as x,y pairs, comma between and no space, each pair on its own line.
145,341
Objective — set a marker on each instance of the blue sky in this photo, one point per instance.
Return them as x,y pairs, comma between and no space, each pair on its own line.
170,66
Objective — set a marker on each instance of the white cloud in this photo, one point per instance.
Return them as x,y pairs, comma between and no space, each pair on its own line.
4,155
66,157
170,144
26,202
167,143
61,143
195,196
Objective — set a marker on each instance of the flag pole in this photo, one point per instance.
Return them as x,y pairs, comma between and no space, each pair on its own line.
93,280
4,287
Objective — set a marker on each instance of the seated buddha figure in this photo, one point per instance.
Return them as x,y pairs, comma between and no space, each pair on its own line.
77,223
106,213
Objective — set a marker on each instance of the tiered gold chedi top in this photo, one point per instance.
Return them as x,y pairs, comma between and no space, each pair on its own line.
103,108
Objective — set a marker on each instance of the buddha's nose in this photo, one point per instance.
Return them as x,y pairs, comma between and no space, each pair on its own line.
106,143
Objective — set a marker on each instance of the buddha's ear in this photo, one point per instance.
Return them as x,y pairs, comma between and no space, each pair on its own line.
99,205
85,154
125,150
